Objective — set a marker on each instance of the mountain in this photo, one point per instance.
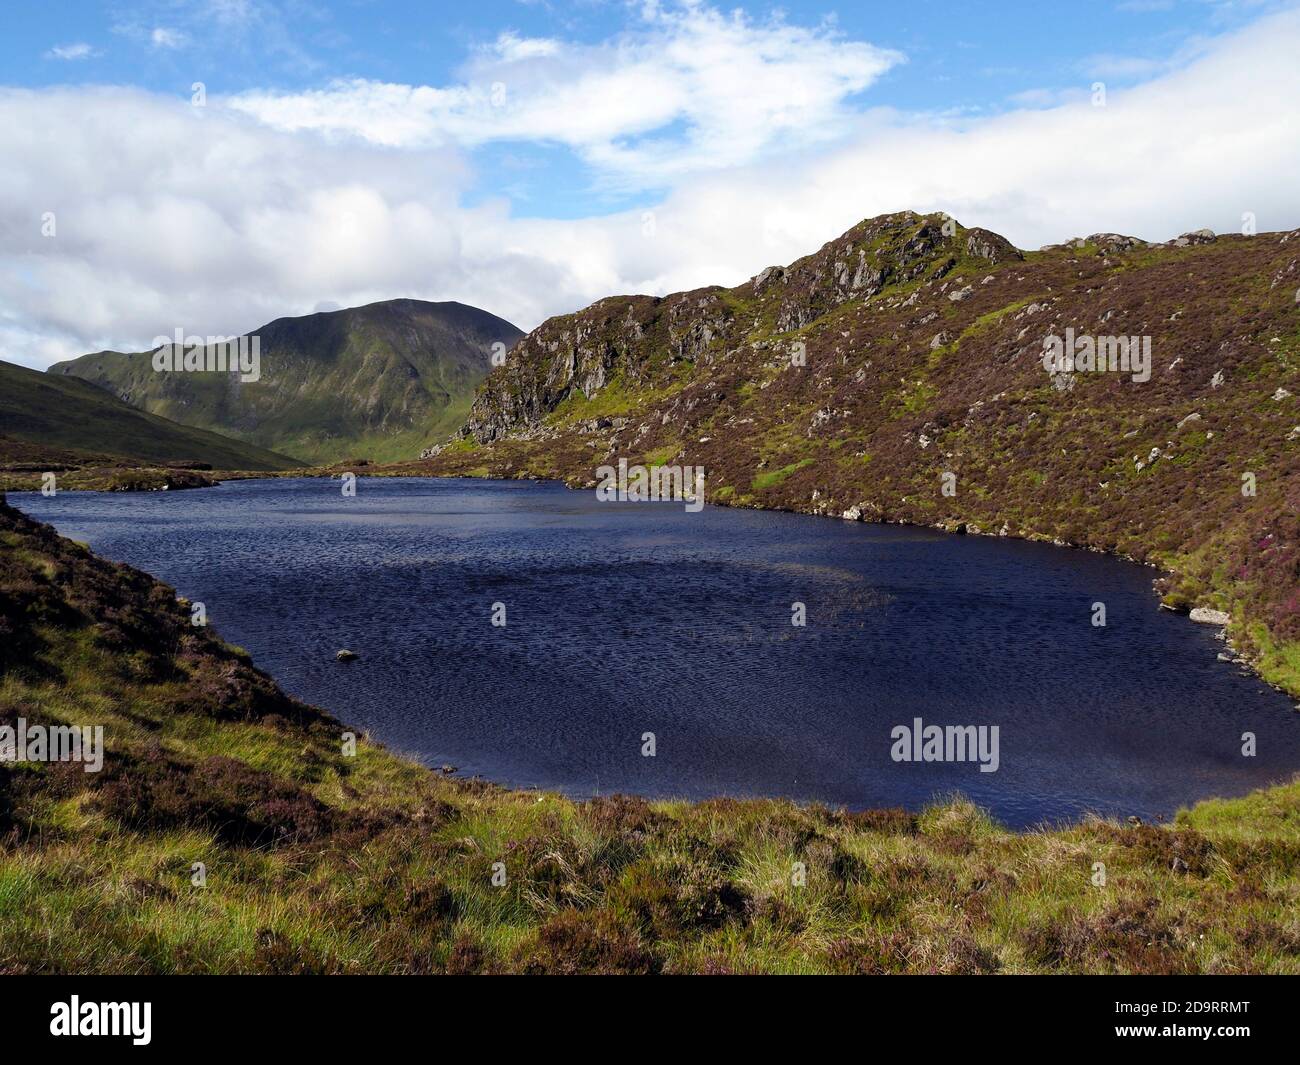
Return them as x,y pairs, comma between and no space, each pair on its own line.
378,381
851,382
63,421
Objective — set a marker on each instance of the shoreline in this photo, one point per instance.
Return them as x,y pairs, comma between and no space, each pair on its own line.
580,795
1231,640
320,860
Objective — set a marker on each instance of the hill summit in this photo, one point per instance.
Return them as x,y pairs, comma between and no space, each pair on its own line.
379,381
900,373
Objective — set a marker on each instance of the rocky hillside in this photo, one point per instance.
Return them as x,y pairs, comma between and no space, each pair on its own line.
378,381
63,424
851,382
230,828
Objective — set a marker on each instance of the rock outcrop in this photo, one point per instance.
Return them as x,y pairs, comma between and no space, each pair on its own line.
897,374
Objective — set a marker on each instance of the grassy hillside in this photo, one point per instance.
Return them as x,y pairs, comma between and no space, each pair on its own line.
380,382
320,862
66,422
854,380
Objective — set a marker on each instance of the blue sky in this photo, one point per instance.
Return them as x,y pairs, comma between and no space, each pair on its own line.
959,58
530,157
961,54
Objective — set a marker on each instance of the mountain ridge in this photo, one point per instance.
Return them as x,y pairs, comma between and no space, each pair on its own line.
850,383
380,379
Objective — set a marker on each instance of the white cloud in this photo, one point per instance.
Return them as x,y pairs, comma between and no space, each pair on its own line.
80,50
689,89
215,221
513,48
162,37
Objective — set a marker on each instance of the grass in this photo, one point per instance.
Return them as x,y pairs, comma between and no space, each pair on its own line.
772,478
317,861
66,421
615,399
1277,662
660,456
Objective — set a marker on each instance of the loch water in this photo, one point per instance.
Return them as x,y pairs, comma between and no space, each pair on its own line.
628,619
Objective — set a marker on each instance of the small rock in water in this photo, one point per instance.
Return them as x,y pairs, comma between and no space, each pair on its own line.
449,769
345,655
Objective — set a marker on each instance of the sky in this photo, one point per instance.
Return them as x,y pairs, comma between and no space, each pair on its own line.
210,165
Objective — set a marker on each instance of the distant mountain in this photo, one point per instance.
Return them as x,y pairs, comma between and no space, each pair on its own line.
897,374
69,422
379,381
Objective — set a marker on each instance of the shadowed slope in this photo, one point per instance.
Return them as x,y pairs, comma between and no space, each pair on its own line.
58,414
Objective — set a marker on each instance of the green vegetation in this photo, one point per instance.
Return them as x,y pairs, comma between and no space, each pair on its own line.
611,401
772,478
317,861
380,382
70,423
462,445
1278,662
660,456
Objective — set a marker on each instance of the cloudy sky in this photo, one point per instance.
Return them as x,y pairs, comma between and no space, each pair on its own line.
212,164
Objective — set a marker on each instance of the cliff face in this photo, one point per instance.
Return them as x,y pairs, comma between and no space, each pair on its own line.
853,380
650,342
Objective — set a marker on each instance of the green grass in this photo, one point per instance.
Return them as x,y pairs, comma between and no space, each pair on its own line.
660,456
1278,661
772,478
58,412
616,399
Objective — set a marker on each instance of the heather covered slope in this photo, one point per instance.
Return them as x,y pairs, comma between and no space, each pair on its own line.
379,381
314,861
852,380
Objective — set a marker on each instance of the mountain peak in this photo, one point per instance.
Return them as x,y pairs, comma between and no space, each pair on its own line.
381,380
885,250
